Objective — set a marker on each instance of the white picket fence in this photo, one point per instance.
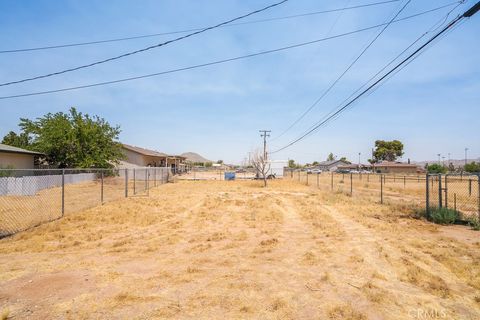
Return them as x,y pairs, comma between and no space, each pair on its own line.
30,185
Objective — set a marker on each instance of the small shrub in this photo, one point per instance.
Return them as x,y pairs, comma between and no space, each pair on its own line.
443,215
474,223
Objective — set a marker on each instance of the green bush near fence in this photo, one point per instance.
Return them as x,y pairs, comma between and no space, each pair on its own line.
443,215
474,223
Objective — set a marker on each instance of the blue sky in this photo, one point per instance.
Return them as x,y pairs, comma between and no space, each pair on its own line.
432,105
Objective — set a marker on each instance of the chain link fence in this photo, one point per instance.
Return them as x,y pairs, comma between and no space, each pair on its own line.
201,173
382,188
31,197
454,191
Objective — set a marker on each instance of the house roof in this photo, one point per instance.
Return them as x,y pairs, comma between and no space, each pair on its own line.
152,153
330,162
194,157
10,149
143,151
354,166
395,164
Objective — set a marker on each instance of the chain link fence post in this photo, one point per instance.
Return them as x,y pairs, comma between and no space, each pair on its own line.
381,189
427,195
446,190
455,202
478,190
351,184
126,183
63,192
146,179
469,186
101,187
147,173
440,202
134,182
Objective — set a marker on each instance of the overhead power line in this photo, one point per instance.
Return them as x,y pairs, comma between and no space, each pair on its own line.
218,61
334,83
434,28
77,44
143,49
405,61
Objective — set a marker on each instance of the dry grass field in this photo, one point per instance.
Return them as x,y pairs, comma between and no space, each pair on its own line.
234,250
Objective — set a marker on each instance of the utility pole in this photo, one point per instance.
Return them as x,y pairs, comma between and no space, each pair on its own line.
264,134
466,149
359,160
438,154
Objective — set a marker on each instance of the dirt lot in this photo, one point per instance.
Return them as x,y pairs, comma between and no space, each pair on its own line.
233,250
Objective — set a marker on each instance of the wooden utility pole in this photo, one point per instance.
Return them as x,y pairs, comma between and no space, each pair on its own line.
264,134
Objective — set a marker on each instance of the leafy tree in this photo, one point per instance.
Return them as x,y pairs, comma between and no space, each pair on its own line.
220,162
451,167
74,139
330,157
315,163
436,168
344,159
208,164
291,163
387,150
21,140
472,167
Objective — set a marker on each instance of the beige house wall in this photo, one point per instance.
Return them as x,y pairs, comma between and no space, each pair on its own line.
135,158
142,160
16,160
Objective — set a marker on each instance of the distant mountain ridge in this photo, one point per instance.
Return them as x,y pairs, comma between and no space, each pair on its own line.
194,157
455,162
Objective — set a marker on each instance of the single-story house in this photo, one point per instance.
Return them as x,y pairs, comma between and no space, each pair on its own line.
397,167
355,166
330,165
141,157
17,158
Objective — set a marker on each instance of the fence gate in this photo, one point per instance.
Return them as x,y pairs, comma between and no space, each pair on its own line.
455,191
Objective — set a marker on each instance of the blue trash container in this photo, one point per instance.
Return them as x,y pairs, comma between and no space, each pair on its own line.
229,176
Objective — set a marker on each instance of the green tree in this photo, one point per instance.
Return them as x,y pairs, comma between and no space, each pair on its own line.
74,139
315,163
208,164
451,167
330,157
21,140
387,150
472,167
291,164
436,168
344,159
220,162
